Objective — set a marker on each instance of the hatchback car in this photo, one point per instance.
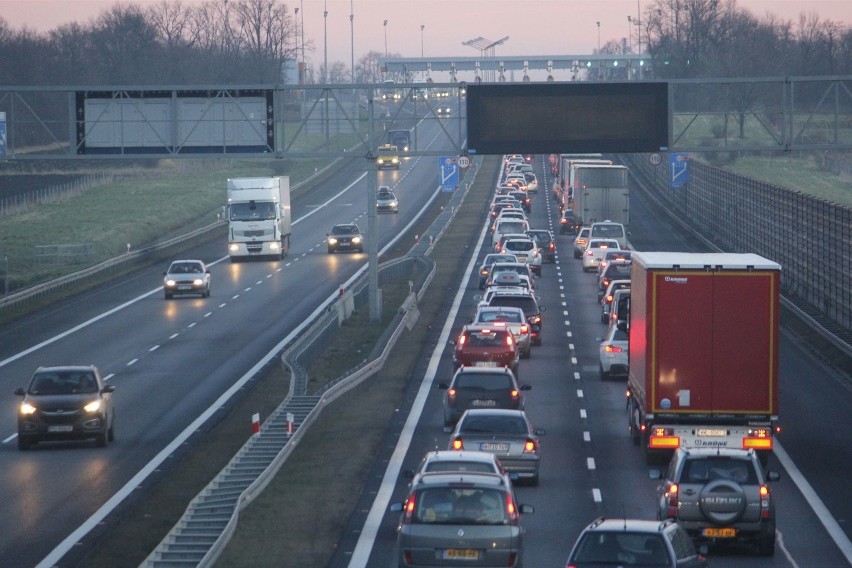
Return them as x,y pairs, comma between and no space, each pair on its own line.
613,353
508,434
66,403
345,237
719,495
486,346
442,461
480,387
488,262
186,277
513,267
526,251
512,318
616,270
568,223
508,226
544,240
580,241
386,200
609,230
613,255
595,250
470,519
524,199
611,543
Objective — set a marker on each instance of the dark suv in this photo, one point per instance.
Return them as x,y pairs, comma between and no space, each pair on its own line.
481,387
486,346
634,542
65,403
720,495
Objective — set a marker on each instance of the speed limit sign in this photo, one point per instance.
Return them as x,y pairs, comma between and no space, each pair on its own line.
464,162
655,159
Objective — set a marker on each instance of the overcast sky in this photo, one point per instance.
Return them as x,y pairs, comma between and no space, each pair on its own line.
534,27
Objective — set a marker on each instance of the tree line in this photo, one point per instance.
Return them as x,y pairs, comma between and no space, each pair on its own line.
251,41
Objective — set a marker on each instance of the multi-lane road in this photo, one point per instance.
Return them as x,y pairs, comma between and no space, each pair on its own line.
172,361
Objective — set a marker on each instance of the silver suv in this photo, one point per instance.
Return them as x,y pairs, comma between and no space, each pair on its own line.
467,519
720,495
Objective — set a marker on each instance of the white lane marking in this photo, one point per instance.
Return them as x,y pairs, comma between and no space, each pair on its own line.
172,336
192,324
131,362
596,495
154,348
579,393
583,414
576,376
587,437
590,464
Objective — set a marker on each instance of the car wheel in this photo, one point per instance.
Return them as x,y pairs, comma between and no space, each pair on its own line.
604,317
330,250
23,443
168,296
604,374
101,440
766,541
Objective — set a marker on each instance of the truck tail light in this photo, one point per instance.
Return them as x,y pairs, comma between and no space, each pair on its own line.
458,445
758,439
663,438
530,446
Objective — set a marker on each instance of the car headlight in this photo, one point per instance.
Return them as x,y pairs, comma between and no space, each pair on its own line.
356,240
93,406
27,408
332,241
170,282
198,282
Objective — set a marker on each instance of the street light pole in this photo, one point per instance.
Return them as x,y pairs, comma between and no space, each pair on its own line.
599,37
422,26
352,33
302,5
629,33
325,43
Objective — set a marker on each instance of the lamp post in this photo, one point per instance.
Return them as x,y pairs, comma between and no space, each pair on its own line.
386,39
325,43
629,33
352,34
302,5
422,27
599,37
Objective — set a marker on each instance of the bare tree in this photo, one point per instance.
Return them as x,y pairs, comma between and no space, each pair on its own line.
170,18
265,30
367,69
125,45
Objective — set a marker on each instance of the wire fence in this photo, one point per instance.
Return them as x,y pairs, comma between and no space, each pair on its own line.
809,237
25,200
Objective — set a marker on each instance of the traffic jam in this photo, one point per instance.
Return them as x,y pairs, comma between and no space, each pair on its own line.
706,445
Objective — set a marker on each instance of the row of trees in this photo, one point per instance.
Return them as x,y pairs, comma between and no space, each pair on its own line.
251,41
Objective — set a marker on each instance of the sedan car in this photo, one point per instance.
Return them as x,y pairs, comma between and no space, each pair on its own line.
444,111
508,434
486,346
568,223
595,250
452,519
345,237
613,353
386,200
442,461
611,543
480,387
66,403
186,277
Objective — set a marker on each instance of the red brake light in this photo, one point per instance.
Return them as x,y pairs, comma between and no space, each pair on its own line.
511,511
409,509
510,340
612,349
609,299
458,444
451,394
525,330
462,339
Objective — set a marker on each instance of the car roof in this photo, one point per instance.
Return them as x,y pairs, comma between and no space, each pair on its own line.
464,477
494,412
475,327
629,525
55,368
471,369
510,291
714,452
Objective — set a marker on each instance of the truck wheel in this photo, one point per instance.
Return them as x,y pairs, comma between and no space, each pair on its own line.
632,428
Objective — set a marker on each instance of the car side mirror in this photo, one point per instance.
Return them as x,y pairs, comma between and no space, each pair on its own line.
540,431
396,507
655,473
108,388
773,476
20,391
525,509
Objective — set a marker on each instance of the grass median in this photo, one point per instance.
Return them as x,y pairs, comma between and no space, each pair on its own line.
300,517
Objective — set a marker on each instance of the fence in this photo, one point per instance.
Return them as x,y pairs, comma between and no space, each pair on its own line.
810,238
23,201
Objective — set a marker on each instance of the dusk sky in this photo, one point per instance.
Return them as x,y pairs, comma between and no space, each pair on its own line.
534,27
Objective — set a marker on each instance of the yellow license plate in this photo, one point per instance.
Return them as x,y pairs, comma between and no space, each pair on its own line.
465,554
720,533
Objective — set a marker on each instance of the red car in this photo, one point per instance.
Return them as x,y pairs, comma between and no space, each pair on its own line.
486,346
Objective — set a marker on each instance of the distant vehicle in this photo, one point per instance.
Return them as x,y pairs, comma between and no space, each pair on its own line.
480,387
568,223
386,200
524,299
259,217
443,111
444,461
595,250
390,93
609,230
613,353
66,403
186,277
400,138
486,346
511,318
609,296
634,542
388,157
526,250
580,241
545,243
345,237
599,192
488,261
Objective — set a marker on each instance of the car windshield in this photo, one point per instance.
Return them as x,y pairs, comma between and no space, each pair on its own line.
459,506
490,381
185,268
613,547
494,425
458,465
344,230
67,382
252,211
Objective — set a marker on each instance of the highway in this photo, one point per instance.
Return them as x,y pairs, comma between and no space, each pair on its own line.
590,468
172,361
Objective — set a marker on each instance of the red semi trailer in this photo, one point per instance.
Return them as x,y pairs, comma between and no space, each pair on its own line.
703,334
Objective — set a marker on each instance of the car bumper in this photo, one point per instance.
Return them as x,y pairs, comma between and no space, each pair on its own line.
82,429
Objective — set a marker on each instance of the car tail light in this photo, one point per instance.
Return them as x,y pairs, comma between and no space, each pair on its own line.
590,253
536,319
457,444
510,339
552,246
515,394
609,299
764,501
511,512
530,446
525,330
484,272
451,395
409,509
462,339
612,349
563,221
672,500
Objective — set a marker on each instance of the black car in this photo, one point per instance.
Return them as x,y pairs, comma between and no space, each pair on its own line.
568,223
345,237
481,387
545,242
66,403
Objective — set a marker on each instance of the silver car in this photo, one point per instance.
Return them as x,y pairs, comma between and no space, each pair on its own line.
386,200
613,353
508,434
513,318
468,519
186,277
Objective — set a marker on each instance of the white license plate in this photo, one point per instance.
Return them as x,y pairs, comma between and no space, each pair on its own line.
485,364
60,428
484,403
493,447
460,554
184,287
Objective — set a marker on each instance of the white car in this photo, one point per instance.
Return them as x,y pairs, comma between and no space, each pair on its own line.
186,277
526,250
595,250
510,317
609,230
613,353
507,226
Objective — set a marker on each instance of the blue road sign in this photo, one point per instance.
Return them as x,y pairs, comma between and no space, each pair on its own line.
449,172
678,169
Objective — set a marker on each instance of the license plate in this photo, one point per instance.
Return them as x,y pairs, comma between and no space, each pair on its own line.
485,364
720,533
712,432
492,447
460,554
184,287
484,403
60,428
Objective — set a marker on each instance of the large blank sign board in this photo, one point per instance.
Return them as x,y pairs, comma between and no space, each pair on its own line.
568,117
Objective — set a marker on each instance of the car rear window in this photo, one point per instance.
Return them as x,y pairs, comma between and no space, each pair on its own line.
615,271
459,505
613,231
512,317
528,305
611,547
711,469
485,339
490,381
511,227
455,465
493,424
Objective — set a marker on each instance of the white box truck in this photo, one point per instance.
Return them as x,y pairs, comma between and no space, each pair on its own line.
259,217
